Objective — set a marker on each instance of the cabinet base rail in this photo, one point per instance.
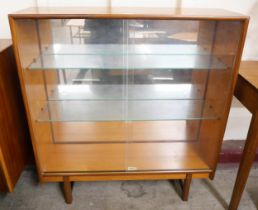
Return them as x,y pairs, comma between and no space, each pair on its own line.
68,188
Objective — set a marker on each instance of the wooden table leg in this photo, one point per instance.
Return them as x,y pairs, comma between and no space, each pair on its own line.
186,187
246,162
67,190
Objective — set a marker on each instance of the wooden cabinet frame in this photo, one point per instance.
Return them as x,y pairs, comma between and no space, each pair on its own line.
210,134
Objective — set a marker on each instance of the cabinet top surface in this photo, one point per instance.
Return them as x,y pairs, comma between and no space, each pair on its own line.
126,12
249,71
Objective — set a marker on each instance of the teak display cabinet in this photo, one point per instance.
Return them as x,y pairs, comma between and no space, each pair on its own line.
127,93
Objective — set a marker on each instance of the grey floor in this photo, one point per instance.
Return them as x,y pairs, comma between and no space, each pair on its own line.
131,195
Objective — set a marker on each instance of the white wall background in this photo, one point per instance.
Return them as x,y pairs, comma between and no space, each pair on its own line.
239,118
9,6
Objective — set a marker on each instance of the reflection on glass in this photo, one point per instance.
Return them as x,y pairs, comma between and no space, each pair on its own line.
131,71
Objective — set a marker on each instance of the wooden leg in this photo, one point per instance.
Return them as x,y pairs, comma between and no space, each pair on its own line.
246,162
186,187
212,175
67,188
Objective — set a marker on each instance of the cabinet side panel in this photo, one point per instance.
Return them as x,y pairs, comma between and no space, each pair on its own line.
14,137
227,48
205,39
27,46
5,184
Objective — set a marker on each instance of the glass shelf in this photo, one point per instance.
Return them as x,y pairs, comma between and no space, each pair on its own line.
128,92
122,49
136,57
150,110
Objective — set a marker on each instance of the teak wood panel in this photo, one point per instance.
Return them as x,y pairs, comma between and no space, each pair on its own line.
15,147
214,131
4,177
58,177
26,46
220,38
246,92
127,12
110,132
75,158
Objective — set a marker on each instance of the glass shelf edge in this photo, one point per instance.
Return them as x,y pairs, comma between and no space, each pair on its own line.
129,142
137,99
204,170
122,69
130,120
